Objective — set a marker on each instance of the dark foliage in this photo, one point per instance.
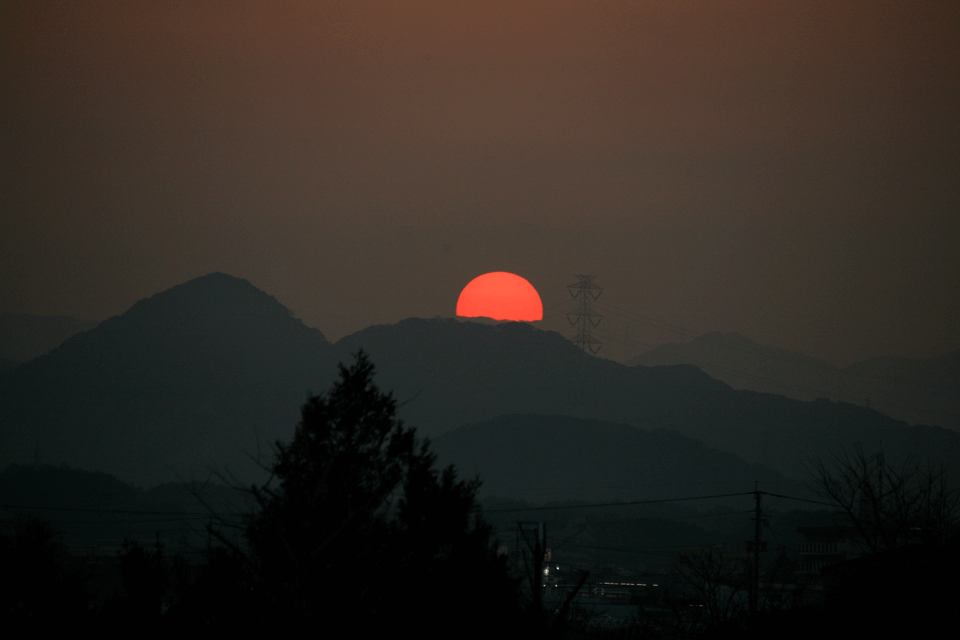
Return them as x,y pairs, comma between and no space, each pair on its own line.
143,574
221,598
41,587
358,527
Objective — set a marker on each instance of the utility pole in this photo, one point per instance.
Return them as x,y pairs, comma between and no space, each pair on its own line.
755,570
537,549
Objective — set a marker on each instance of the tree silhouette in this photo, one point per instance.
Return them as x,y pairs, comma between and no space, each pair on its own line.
40,589
718,580
357,525
888,505
143,574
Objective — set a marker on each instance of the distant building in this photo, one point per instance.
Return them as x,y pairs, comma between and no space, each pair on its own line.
713,563
823,546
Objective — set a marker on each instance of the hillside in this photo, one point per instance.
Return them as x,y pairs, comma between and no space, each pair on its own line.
448,373
184,380
212,371
95,511
541,458
915,391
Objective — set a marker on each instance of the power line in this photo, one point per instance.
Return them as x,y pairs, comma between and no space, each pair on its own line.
592,505
778,495
616,504
175,514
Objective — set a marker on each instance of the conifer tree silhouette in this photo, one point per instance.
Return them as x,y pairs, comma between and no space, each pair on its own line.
358,525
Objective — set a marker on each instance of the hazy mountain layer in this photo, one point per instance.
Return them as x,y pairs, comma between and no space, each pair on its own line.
188,379
450,373
916,391
542,459
94,511
199,375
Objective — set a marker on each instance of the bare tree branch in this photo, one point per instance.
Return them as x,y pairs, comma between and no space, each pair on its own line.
887,505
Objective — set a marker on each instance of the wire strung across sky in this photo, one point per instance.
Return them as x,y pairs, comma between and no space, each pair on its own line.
597,505
182,516
178,514
192,515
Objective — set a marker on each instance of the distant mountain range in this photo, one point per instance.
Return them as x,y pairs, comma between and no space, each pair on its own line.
913,390
452,373
211,371
94,511
542,458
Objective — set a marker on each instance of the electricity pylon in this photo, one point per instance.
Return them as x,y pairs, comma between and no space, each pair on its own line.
585,292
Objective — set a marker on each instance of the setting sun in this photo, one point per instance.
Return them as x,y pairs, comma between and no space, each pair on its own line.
501,296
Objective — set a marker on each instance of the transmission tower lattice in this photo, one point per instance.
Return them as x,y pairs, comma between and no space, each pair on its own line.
585,318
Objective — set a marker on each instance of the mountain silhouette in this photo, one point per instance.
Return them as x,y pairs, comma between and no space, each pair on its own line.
917,391
449,373
540,458
213,371
744,364
194,376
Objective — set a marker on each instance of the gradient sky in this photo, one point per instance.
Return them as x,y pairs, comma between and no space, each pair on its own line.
790,172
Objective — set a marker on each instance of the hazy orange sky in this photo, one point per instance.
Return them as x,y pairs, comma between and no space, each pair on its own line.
790,172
